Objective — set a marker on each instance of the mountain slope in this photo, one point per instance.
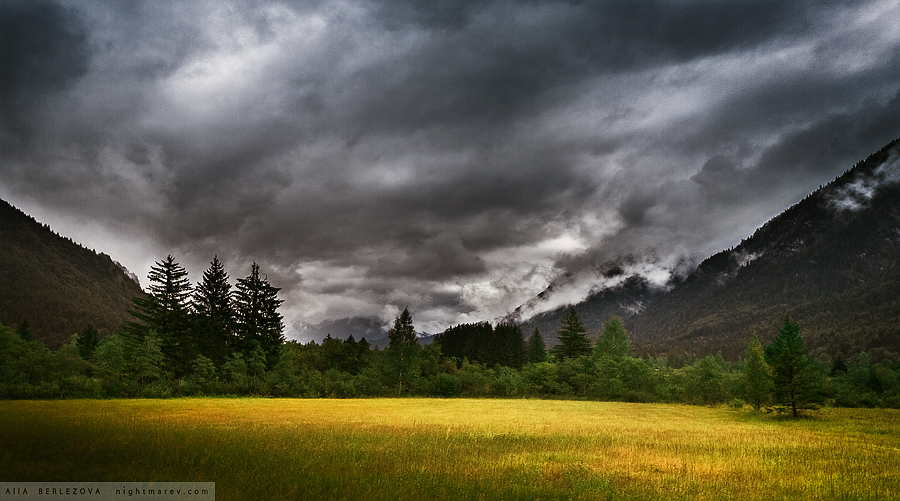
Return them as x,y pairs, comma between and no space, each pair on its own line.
622,300
58,286
831,261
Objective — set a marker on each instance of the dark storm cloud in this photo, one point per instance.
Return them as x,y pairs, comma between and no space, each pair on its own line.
450,156
43,51
486,61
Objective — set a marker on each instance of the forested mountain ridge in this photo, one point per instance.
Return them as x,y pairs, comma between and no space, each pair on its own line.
57,285
831,262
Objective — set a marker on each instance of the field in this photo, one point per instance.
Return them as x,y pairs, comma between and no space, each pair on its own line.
455,449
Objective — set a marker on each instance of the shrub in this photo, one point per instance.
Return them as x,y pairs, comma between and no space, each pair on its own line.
447,385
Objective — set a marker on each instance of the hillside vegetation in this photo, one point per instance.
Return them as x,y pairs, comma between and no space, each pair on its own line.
831,261
55,285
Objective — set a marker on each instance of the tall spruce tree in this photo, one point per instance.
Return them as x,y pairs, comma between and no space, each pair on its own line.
402,333
613,341
795,379
573,340
757,375
165,311
536,349
215,314
256,312
403,350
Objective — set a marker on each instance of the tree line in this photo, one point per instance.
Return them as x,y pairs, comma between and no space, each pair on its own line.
208,323
212,340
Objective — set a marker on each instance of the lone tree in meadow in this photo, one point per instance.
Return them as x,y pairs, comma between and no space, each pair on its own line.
614,340
573,340
757,375
795,379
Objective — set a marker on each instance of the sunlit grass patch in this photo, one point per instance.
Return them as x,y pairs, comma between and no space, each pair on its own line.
455,449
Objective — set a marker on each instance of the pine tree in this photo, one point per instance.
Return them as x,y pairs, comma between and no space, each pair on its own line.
794,377
536,349
87,341
613,341
215,313
166,312
256,311
573,340
403,332
403,350
757,374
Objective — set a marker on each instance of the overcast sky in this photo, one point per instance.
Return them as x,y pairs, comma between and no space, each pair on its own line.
454,157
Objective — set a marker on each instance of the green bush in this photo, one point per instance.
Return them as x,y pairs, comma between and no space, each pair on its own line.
447,385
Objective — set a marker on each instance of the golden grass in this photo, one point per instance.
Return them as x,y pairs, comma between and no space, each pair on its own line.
455,449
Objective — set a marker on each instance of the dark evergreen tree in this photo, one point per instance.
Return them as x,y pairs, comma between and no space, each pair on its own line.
795,380
214,308
165,311
536,349
573,340
403,350
510,345
472,341
256,310
333,354
613,341
24,331
482,343
757,375
838,365
402,333
87,341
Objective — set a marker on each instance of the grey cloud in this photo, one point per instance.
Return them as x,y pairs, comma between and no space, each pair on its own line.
44,51
487,62
720,177
440,257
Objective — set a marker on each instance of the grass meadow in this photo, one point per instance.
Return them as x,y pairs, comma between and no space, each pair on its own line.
404,449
